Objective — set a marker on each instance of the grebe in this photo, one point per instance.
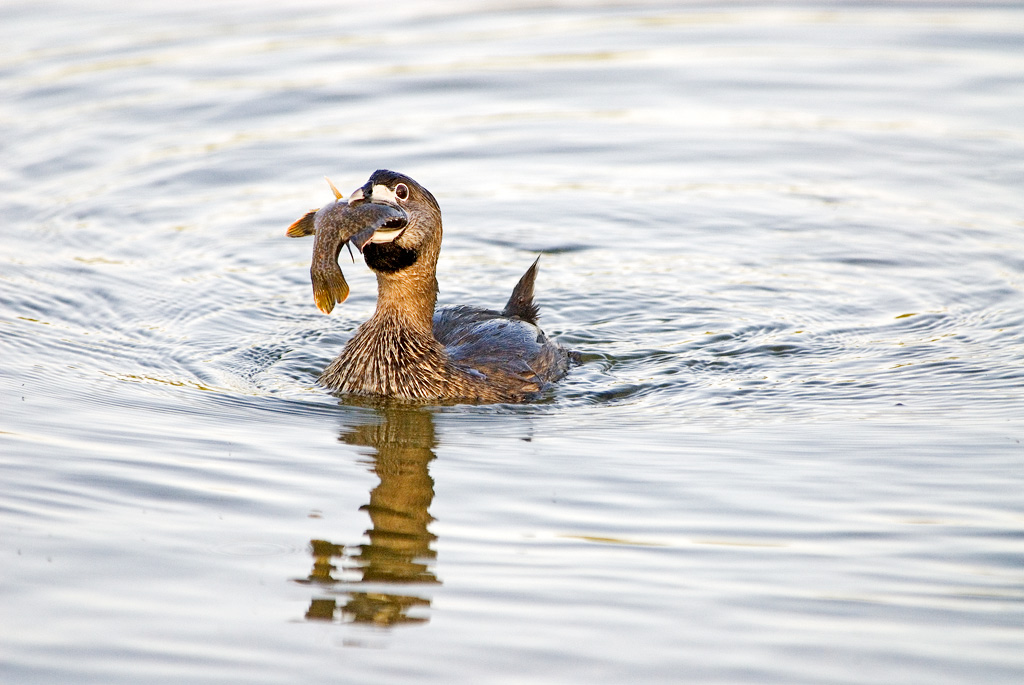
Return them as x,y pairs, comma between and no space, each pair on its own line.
407,349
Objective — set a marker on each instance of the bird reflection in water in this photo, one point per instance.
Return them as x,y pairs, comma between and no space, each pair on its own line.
399,548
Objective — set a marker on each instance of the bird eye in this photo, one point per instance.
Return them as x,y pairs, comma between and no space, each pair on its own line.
402,191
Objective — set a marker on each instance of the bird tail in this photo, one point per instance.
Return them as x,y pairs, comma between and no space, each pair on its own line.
521,303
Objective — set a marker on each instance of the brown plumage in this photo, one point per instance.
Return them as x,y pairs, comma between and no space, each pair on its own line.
406,349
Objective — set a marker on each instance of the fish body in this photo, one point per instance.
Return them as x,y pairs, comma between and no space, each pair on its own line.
332,226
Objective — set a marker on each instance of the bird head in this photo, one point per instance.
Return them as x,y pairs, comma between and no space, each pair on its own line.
392,249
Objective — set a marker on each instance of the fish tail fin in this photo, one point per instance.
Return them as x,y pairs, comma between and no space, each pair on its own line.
329,289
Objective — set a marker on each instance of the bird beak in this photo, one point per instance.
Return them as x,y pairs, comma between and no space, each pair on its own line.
386,235
380,195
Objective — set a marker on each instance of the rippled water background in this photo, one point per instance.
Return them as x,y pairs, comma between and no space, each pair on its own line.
788,242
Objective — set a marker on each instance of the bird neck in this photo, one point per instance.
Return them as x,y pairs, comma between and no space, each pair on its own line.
406,299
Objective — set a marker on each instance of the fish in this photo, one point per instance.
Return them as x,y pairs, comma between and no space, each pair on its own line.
333,226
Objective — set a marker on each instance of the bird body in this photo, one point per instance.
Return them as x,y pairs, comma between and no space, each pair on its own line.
408,350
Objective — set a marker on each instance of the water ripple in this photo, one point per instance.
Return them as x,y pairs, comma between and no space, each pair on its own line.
787,244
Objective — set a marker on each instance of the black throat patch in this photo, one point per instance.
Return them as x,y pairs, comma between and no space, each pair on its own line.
388,257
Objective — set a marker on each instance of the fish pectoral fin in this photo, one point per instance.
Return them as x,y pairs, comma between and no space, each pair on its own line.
304,226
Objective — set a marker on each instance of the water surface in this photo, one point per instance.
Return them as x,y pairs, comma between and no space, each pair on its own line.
788,243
